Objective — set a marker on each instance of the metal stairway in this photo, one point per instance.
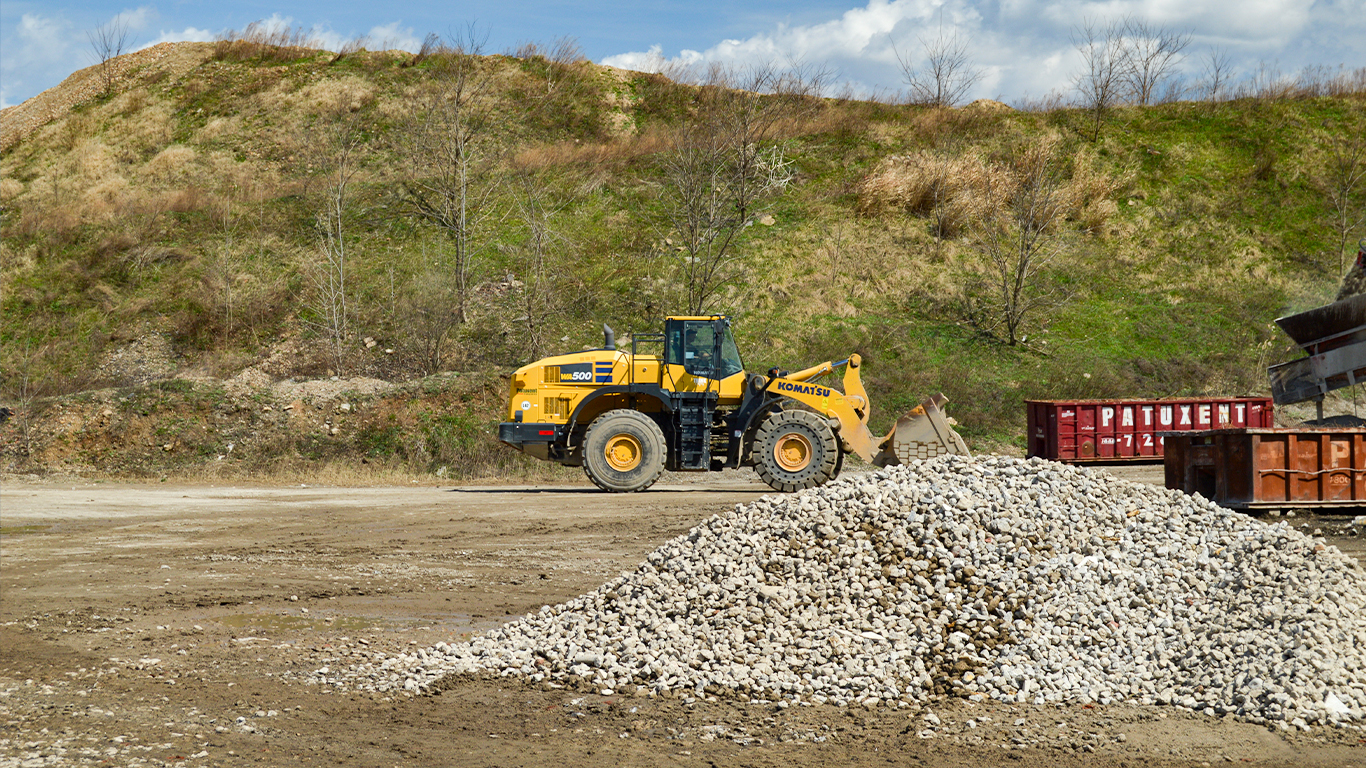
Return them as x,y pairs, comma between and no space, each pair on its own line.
693,432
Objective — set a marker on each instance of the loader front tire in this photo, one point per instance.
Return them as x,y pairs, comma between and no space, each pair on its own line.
795,450
623,451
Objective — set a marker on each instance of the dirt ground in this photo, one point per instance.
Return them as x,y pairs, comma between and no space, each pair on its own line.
175,625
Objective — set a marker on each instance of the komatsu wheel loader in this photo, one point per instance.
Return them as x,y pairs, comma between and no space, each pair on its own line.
625,417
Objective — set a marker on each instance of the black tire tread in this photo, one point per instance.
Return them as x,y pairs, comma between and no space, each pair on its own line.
612,422
780,423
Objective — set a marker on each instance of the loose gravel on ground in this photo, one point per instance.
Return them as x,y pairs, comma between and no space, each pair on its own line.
1005,579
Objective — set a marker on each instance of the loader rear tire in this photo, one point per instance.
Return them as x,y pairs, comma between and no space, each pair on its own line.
623,451
795,450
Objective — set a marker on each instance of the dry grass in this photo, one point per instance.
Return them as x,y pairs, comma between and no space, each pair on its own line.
217,128
188,199
171,163
1268,83
853,263
1089,193
10,189
335,95
150,128
90,161
609,153
49,221
844,119
955,190
952,190
104,198
564,51
265,43
135,215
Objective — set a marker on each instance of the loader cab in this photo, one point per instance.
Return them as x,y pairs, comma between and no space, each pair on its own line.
704,373
704,347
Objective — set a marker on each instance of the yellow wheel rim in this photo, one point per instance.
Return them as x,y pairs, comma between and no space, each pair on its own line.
623,453
792,452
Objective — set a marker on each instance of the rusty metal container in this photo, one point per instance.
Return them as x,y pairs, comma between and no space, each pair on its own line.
1079,431
1253,469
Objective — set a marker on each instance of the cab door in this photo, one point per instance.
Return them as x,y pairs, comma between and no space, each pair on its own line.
700,355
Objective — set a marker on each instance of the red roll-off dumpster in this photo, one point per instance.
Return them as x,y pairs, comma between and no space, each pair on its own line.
1079,431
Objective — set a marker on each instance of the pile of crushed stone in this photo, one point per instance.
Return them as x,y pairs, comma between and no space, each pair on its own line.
1015,580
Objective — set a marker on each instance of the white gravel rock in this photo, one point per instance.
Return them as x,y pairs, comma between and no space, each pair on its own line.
1019,580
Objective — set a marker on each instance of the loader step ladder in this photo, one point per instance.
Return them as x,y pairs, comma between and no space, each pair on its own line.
693,434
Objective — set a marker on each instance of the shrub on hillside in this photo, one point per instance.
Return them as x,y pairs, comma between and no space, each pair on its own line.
265,43
953,190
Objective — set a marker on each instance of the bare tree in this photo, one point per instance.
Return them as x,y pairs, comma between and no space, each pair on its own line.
224,267
947,73
538,298
560,58
1218,70
1266,82
1174,89
699,211
431,44
108,41
725,165
448,137
1151,55
427,314
351,47
26,383
1344,183
340,144
1018,239
1101,80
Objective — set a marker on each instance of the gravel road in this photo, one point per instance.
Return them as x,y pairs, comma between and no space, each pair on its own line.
159,625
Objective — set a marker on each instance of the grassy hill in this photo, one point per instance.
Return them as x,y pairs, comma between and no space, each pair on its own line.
165,276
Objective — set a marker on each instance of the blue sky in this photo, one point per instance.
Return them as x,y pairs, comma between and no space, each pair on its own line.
1021,46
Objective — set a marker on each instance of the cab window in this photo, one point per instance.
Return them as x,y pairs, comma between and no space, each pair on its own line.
692,344
730,355
699,347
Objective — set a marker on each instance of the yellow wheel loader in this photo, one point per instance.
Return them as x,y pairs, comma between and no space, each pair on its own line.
625,417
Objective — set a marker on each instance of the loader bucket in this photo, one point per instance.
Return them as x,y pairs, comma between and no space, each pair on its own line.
924,433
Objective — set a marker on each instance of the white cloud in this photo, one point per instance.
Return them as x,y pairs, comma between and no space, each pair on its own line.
380,37
139,18
861,44
43,39
859,35
394,37
1024,47
1267,21
40,50
36,46
186,35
